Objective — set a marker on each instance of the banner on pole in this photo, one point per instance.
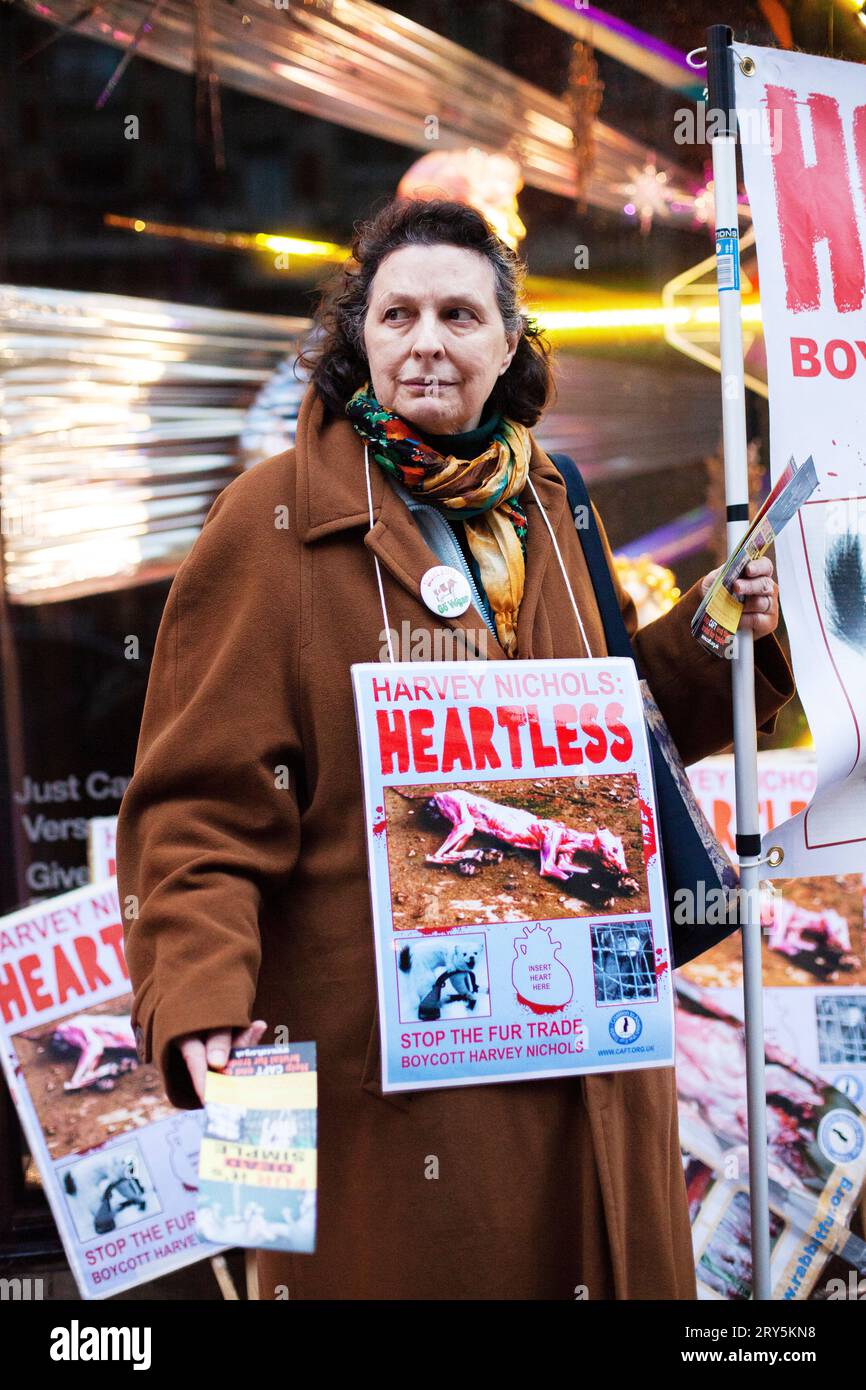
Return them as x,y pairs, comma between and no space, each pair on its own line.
806,180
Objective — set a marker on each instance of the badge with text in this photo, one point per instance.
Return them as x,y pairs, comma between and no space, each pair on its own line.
445,591
517,891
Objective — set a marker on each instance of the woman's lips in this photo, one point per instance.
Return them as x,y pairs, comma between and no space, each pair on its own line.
431,386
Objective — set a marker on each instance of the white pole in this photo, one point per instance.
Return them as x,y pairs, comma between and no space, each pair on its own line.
748,841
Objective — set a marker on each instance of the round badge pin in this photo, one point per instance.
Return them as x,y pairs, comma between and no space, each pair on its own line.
445,591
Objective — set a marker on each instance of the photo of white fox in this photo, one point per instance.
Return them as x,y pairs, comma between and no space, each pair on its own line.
443,979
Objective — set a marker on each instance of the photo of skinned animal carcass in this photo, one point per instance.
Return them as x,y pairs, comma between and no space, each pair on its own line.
513,851
85,1080
812,933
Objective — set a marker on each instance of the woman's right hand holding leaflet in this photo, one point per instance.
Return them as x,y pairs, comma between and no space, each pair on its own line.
201,1051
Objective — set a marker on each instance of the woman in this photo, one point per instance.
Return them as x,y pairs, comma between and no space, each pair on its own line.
241,856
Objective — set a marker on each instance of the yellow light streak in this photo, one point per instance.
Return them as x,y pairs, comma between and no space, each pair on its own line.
577,320
239,241
606,312
296,246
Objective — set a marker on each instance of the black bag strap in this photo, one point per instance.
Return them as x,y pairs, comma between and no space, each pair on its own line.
615,631
683,852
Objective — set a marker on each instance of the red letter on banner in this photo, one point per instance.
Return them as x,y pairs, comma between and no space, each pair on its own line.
860,145
804,357
815,201
393,742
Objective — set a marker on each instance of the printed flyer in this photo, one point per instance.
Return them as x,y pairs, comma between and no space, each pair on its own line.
718,617
257,1167
515,875
118,1163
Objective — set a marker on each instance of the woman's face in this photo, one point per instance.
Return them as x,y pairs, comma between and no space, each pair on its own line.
434,336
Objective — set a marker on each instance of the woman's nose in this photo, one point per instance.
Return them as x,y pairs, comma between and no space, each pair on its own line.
427,339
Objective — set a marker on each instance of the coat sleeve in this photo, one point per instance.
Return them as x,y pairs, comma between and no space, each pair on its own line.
693,688
209,822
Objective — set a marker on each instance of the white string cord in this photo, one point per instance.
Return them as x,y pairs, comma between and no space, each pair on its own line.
552,537
391,656
561,566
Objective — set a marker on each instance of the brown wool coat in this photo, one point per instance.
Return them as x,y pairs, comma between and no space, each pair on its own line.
254,902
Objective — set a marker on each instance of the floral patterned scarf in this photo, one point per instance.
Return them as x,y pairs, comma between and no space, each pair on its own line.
482,492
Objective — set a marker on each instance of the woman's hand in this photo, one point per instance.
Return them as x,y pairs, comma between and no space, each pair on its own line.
211,1049
760,592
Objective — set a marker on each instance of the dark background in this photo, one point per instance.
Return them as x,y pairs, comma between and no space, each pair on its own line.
65,164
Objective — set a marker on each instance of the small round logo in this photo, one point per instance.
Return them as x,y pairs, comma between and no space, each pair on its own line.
850,1086
625,1026
840,1136
445,591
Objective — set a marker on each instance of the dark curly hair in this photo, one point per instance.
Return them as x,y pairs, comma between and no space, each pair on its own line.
335,356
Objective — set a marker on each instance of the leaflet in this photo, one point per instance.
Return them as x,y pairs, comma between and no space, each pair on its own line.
516,882
257,1166
718,617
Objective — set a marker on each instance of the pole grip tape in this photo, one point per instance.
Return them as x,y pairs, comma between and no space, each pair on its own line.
748,846
737,511
720,75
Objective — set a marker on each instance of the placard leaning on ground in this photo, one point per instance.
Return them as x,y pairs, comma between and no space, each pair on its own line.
241,835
